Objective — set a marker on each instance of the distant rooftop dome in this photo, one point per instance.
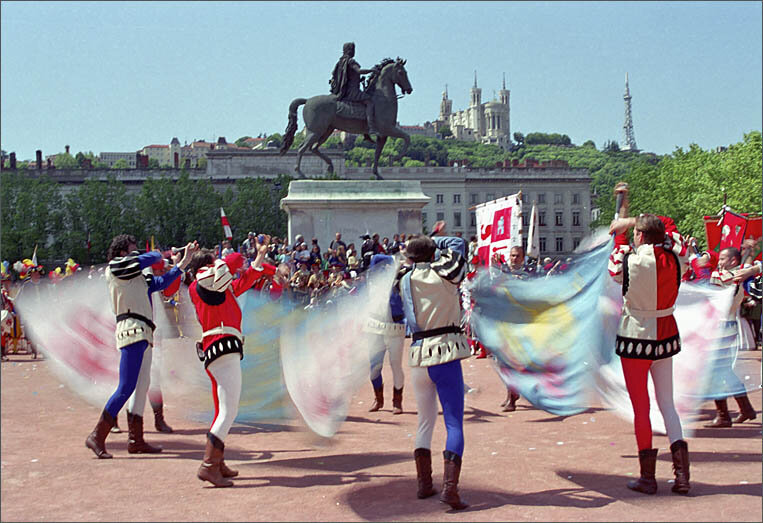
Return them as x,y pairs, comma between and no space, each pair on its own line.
175,141
221,140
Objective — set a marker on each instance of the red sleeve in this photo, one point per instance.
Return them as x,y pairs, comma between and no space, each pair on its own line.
620,239
670,225
173,287
247,280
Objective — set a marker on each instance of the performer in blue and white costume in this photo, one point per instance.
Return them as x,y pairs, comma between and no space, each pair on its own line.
429,288
388,338
130,295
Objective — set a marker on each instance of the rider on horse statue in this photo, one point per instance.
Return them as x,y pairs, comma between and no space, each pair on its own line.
345,84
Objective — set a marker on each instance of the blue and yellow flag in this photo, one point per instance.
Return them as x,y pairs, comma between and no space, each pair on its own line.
549,334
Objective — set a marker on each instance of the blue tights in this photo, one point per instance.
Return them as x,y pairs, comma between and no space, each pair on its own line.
129,368
449,380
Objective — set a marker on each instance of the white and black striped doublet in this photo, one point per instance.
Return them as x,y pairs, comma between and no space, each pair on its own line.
125,267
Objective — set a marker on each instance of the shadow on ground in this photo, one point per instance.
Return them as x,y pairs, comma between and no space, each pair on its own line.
369,505
614,486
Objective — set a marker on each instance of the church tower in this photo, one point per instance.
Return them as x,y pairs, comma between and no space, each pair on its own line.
503,94
446,105
505,127
476,93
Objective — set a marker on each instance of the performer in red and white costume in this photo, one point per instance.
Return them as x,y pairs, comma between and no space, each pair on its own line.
213,294
647,338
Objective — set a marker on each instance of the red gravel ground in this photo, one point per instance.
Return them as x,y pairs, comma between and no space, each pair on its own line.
521,466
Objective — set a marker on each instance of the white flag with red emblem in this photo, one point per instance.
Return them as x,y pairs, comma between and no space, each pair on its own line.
226,225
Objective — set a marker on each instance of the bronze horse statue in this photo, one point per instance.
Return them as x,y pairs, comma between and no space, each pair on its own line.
323,114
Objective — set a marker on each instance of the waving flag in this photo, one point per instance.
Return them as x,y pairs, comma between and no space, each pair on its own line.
226,225
533,238
499,226
549,339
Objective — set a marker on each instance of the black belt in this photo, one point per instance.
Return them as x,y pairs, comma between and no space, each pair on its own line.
436,332
135,315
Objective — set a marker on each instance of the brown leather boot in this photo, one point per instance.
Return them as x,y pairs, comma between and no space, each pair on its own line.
647,459
397,400
209,470
423,459
159,422
746,410
722,418
96,441
135,442
680,451
450,481
511,401
378,400
225,471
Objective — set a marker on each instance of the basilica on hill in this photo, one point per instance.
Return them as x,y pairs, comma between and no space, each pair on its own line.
487,122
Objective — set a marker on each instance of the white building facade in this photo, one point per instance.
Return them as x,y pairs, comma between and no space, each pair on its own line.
488,122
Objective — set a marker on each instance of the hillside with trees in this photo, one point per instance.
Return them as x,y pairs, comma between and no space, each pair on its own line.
684,184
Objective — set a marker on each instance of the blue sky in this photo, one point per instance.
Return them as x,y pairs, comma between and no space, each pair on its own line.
116,76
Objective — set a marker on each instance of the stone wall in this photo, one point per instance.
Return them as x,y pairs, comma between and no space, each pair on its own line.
321,208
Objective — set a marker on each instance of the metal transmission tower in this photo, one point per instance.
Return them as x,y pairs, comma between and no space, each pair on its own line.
630,140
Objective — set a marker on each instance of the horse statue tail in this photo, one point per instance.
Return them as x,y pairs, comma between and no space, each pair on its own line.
291,127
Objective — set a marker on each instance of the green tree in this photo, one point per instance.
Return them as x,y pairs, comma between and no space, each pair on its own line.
519,138
153,163
65,161
611,146
102,208
120,164
30,214
590,144
445,131
240,141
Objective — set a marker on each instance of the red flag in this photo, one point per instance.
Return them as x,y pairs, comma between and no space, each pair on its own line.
501,224
226,225
755,232
729,231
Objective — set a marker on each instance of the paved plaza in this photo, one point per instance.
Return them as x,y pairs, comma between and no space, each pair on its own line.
523,466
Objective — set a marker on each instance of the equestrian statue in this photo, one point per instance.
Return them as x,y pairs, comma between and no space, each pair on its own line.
372,111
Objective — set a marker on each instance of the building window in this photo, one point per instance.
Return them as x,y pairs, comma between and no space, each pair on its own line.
424,219
524,198
456,219
473,198
541,197
490,197
472,219
575,243
558,220
542,218
575,217
456,198
559,244
525,223
440,216
558,198
440,198
542,244
576,198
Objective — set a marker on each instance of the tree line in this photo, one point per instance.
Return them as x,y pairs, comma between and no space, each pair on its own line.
37,212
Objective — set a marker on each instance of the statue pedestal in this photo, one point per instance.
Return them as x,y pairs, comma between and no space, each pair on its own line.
319,209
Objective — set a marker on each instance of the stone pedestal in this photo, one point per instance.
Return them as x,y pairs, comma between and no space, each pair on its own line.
320,209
